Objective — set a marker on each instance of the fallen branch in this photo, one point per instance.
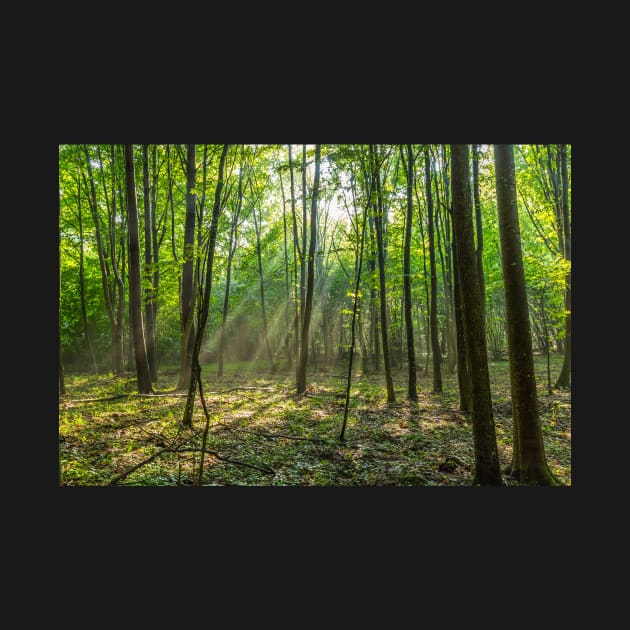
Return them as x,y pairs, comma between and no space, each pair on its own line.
134,394
274,436
236,389
127,472
236,462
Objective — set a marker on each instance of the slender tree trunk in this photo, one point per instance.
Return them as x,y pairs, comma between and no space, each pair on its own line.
425,275
149,293
564,379
231,251
62,380
119,273
478,222
102,258
135,279
355,308
412,393
448,338
532,467
463,369
374,343
379,220
287,297
257,227
487,470
435,341
157,241
303,257
84,318
308,305
546,340
188,290
204,306
296,252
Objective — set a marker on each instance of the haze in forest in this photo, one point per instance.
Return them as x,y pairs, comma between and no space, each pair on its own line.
338,279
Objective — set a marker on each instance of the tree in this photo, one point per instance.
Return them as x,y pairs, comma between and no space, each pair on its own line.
379,221
564,379
412,393
308,304
84,316
435,342
487,470
107,259
233,243
188,293
528,462
204,307
150,301
355,307
135,281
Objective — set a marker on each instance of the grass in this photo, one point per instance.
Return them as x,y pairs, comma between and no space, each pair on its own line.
258,422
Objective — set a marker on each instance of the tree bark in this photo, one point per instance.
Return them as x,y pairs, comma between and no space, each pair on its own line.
149,292
487,470
379,220
257,228
84,317
435,341
297,255
532,466
463,369
359,265
204,306
135,279
231,251
478,222
102,258
412,393
287,281
119,274
188,290
564,379
308,305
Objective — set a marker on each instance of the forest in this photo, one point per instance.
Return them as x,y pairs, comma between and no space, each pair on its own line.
314,314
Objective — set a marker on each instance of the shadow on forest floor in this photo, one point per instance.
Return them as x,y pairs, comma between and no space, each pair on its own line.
262,434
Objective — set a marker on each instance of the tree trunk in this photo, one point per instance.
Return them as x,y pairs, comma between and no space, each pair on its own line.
532,466
463,370
287,282
204,306
231,251
412,393
119,274
478,222
296,254
266,341
188,291
308,305
435,341
135,279
62,380
379,220
355,307
149,293
564,379
102,258
84,318
487,470
374,339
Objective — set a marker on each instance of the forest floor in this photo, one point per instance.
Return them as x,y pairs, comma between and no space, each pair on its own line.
261,433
